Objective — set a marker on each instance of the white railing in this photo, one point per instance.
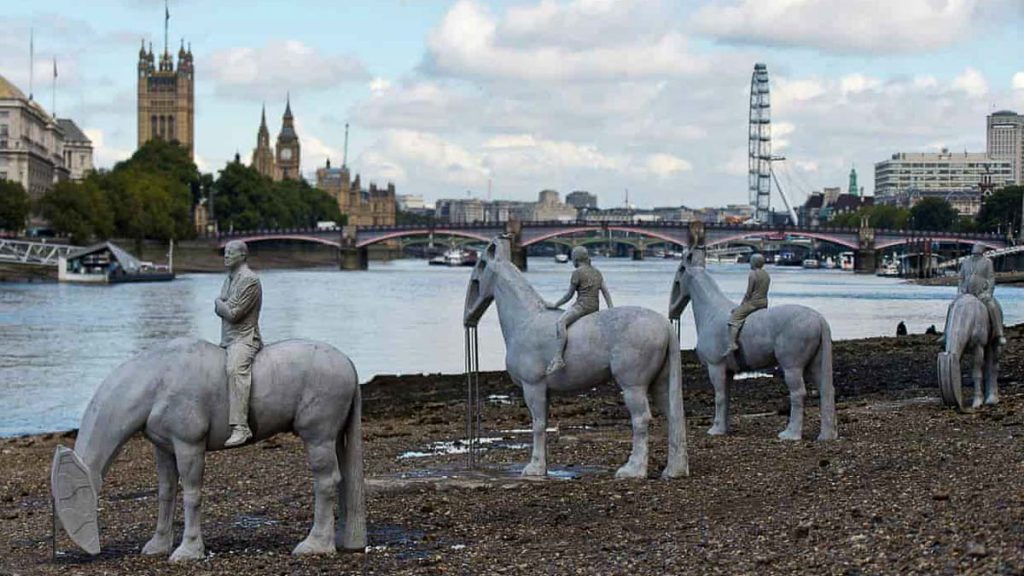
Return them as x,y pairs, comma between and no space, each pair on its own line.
955,263
36,253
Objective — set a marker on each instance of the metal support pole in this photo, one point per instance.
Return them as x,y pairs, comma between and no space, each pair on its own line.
474,407
53,529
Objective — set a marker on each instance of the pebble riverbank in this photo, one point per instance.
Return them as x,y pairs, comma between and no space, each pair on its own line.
910,487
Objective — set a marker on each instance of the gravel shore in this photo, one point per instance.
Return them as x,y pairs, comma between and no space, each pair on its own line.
910,487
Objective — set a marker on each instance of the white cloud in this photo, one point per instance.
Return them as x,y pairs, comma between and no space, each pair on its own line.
470,42
379,85
854,83
1018,81
253,73
666,165
104,154
971,82
841,26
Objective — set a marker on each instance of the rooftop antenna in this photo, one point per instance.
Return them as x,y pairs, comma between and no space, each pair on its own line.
488,189
31,58
344,158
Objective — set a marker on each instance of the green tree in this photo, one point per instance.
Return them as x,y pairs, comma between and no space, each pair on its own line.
148,205
14,205
246,200
879,216
1002,210
933,214
80,210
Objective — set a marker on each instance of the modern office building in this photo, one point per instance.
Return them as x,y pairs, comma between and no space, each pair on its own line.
1005,141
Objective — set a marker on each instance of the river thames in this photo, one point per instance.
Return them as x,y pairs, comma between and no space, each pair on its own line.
400,317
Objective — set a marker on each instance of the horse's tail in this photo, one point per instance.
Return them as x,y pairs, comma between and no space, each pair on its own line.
678,463
826,389
352,494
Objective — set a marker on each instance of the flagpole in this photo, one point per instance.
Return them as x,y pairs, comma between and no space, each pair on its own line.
167,20
31,58
53,95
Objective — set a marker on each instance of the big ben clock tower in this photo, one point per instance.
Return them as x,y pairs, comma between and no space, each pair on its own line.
288,151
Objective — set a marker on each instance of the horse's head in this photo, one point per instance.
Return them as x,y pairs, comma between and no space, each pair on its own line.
480,292
692,260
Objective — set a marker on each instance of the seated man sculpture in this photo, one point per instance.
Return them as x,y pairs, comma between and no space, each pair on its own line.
586,282
755,299
978,278
239,306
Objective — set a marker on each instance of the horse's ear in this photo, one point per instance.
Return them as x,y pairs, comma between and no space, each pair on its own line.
503,248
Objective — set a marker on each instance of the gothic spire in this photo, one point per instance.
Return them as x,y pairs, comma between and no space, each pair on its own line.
288,106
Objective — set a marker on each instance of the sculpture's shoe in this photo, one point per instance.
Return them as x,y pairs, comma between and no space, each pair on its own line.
717,430
788,434
189,551
534,469
311,546
239,435
556,364
158,545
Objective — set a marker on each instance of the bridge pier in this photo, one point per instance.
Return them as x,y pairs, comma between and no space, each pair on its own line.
351,256
864,259
514,228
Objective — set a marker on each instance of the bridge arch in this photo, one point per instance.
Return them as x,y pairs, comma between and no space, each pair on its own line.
939,237
565,232
268,237
825,237
422,232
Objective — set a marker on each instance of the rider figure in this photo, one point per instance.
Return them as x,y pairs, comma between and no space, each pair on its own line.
239,308
978,278
586,282
755,299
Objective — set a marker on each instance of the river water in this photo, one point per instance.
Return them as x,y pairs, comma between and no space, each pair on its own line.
60,340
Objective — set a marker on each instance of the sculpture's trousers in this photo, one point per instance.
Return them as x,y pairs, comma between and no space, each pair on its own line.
239,364
740,313
565,320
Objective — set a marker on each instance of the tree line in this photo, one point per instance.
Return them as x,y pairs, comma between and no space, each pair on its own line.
1000,212
152,196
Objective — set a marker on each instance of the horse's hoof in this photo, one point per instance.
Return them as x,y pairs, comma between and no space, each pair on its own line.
157,546
717,431
309,547
788,435
830,435
535,470
976,404
992,400
189,552
675,472
627,472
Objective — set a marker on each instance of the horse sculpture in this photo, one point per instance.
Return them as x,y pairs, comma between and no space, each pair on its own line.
177,395
794,337
635,347
968,330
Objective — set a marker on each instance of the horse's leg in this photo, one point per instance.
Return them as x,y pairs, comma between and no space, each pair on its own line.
640,416
720,380
978,374
323,460
992,374
797,393
167,479
191,460
536,397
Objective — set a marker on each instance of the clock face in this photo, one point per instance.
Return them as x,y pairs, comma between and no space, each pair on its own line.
286,154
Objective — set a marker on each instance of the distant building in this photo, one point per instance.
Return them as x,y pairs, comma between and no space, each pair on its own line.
77,149
965,202
289,155
674,214
907,173
581,200
166,98
459,211
549,208
822,207
410,202
31,143
1005,141
263,154
373,207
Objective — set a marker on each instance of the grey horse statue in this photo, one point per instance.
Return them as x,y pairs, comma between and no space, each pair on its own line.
796,338
968,331
635,347
176,394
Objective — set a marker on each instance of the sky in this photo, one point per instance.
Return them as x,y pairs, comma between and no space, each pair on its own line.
452,98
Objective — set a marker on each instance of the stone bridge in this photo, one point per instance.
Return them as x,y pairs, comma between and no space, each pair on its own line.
352,241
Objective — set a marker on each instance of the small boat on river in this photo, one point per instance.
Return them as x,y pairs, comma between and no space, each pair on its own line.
561,258
108,263
455,257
